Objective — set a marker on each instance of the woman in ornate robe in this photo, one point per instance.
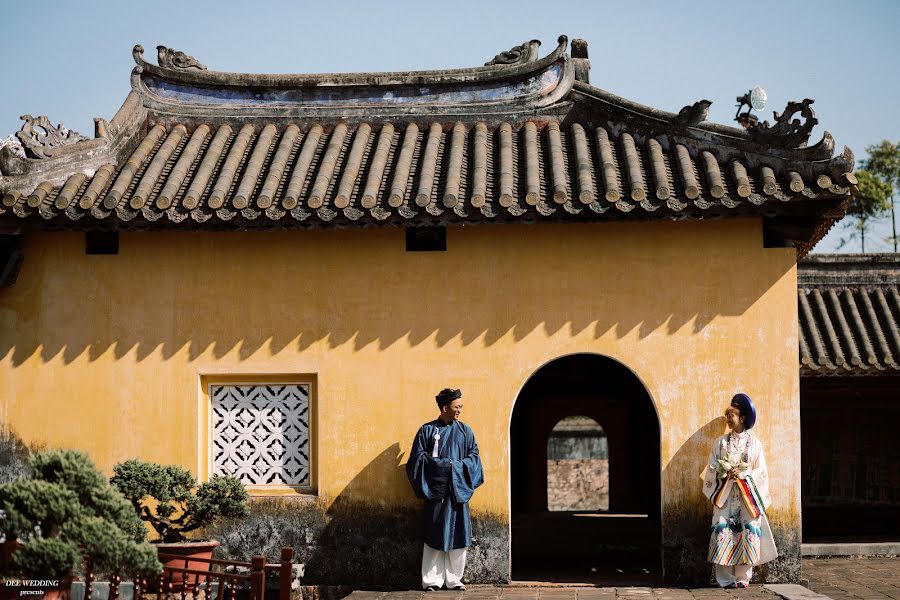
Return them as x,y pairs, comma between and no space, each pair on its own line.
736,481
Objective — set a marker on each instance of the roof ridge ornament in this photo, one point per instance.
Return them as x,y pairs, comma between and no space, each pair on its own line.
517,55
169,58
14,146
38,136
786,132
693,114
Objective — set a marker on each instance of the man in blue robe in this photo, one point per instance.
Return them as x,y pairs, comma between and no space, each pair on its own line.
444,470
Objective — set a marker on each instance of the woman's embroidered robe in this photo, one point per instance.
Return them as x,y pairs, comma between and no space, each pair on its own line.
740,530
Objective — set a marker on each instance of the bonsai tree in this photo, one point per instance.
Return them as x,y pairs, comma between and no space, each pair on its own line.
167,497
68,513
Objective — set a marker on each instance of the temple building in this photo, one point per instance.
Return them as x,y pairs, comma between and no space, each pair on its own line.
273,275
849,386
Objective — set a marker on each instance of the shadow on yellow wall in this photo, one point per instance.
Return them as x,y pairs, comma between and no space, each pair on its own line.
221,292
686,521
374,533
386,476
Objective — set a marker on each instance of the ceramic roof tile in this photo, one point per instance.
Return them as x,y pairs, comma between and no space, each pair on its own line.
849,309
554,165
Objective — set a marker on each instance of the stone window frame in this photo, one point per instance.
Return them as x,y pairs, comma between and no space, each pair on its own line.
205,450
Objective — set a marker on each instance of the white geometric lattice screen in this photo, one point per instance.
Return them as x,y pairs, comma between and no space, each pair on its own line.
261,433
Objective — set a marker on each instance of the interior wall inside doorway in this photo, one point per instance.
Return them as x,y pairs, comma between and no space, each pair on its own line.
577,466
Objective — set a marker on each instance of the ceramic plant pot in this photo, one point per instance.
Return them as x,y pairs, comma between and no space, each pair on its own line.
186,552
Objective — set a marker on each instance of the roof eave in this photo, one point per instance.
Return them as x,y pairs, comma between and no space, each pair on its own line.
767,149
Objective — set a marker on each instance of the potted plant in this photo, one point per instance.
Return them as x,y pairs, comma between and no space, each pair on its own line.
168,498
65,514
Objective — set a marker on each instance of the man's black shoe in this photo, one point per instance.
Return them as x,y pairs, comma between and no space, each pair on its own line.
431,588
459,588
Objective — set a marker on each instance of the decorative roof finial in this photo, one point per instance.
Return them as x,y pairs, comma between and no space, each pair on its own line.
786,132
693,114
516,55
175,59
38,136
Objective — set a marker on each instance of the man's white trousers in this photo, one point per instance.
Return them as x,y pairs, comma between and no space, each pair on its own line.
726,576
442,568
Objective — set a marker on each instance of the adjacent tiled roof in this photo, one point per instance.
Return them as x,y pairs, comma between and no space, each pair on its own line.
849,309
532,168
521,139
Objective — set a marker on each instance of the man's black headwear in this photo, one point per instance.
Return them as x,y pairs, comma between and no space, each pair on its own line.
744,404
447,396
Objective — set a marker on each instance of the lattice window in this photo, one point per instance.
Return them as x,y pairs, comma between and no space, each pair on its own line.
260,433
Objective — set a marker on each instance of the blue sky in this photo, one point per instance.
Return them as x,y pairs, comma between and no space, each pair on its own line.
72,60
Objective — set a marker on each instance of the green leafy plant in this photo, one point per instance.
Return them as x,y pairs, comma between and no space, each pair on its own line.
869,202
167,497
68,513
884,163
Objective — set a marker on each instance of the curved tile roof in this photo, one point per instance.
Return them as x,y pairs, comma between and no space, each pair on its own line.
519,139
849,311
379,171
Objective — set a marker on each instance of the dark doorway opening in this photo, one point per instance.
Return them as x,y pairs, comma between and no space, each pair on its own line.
850,459
620,545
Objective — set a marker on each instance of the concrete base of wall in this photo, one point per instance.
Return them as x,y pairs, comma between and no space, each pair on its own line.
793,591
371,546
685,547
850,549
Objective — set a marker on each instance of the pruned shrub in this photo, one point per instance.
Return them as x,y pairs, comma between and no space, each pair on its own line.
167,497
66,514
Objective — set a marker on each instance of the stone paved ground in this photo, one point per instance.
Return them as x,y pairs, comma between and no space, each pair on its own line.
475,592
836,578
854,578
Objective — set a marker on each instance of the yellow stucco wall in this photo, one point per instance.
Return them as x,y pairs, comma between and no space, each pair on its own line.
106,353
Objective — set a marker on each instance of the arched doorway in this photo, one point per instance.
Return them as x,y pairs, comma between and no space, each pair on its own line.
551,421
